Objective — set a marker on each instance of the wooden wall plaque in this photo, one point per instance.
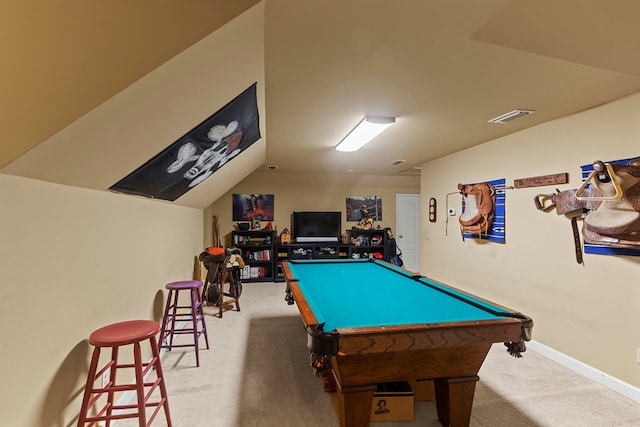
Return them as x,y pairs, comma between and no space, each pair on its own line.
538,181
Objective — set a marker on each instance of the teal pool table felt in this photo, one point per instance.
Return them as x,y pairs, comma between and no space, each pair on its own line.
364,293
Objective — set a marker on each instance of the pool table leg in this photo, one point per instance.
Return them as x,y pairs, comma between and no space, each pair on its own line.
354,405
454,399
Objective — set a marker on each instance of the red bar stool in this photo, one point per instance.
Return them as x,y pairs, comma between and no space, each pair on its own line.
193,313
114,336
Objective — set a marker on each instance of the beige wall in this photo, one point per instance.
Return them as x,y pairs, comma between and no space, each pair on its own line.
74,260
590,312
309,193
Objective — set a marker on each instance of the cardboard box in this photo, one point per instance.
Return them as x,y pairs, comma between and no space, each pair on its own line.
392,402
423,390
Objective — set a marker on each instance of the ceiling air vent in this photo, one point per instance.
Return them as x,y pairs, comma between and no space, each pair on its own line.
511,115
397,162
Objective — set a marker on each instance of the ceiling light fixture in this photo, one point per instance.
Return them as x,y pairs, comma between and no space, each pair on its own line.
511,115
365,131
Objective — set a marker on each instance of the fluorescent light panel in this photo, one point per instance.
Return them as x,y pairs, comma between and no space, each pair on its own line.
511,115
365,131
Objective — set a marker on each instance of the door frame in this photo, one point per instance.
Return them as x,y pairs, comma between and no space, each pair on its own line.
401,229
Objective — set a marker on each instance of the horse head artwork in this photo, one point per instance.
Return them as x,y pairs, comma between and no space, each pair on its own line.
479,207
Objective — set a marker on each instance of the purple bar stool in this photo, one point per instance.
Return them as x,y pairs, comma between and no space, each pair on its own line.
114,336
192,313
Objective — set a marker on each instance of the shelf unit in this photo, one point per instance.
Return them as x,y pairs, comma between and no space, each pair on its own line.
263,257
320,250
313,250
368,243
257,249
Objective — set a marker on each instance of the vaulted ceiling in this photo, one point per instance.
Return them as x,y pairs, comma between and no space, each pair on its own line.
443,68
62,59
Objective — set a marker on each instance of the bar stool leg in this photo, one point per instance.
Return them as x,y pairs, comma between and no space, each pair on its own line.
86,398
194,321
162,385
170,313
137,361
202,319
112,380
174,314
165,318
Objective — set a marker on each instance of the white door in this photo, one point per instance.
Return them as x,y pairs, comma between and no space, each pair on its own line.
408,229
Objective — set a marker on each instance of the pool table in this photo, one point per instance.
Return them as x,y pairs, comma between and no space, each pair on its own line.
370,322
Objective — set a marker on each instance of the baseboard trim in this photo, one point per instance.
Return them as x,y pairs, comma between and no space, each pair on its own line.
587,371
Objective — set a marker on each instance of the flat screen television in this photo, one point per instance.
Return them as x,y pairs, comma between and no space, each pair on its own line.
316,226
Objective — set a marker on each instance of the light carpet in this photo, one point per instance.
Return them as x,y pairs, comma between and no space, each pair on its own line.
257,373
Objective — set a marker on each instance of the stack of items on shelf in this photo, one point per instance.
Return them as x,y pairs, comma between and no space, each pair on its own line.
263,255
257,248
253,272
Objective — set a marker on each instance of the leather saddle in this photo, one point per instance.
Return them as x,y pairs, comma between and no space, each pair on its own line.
479,207
616,221
608,201
219,261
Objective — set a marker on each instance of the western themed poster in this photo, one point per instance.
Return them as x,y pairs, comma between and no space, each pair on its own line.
359,207
248,207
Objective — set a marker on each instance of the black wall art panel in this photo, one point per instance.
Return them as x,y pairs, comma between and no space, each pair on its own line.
199,153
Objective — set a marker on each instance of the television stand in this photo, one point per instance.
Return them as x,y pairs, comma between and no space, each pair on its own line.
306,250
361,244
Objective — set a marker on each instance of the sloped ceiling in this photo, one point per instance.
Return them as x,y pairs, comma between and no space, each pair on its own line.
443,68
120,134
61,59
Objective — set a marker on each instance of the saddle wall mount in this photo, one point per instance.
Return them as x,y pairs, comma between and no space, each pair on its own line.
608,201
479,208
